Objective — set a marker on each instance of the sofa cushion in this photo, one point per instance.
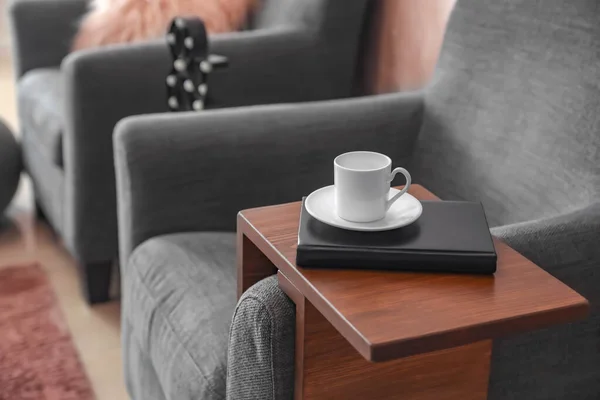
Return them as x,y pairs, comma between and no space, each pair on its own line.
179,297
41,98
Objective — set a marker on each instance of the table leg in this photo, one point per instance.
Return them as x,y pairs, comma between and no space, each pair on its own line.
253,265
328,367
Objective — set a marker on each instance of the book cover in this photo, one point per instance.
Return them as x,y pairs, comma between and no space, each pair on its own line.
450,236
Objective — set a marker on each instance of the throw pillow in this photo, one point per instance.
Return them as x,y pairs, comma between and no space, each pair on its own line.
125,21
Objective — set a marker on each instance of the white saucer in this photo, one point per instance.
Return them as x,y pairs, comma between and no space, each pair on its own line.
321,205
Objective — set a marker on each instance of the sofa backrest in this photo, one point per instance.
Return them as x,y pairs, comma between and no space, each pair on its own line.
311,13
513,115
273,13
335,28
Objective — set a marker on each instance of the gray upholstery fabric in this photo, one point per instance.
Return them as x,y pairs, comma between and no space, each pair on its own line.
280,62
562,362
277,13
179,294
102,87
261,344
177,311
276,66
50,183
140,376
10,166
250,156
511,119
334,30
42,31
41,98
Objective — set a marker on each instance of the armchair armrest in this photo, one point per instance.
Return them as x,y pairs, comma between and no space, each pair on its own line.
194,172
103,86
567,246
262,336
42,31
273,66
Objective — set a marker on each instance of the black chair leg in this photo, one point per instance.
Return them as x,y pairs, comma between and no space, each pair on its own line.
96,279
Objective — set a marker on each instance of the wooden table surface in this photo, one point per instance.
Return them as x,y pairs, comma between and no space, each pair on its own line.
385,315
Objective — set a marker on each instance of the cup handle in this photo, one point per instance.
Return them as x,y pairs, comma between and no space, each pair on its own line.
406,186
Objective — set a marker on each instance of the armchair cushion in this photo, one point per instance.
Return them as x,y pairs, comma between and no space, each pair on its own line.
41,99
180,295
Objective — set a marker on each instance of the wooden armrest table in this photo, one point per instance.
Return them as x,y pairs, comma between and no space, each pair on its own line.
364,334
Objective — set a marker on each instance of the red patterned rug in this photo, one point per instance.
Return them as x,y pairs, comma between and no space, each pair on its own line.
38,359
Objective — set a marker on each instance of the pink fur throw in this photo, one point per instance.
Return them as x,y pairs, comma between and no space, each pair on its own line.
124,21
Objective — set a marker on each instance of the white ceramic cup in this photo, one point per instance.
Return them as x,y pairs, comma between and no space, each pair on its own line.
362,185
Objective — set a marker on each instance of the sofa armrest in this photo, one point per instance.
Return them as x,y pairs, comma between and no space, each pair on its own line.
272,66
567,246
194,172
103,86
42,31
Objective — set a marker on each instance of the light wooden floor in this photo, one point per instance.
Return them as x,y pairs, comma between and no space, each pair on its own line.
95,330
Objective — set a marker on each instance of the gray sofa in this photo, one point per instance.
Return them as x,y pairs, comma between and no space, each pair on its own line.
511,120
69,104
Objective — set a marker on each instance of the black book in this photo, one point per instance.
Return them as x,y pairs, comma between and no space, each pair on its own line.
450,236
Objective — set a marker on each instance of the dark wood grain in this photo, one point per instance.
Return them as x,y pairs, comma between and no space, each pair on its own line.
253,264
385,315
328,367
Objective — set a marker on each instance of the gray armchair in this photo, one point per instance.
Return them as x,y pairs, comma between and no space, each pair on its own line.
510,120
69,104
192,174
